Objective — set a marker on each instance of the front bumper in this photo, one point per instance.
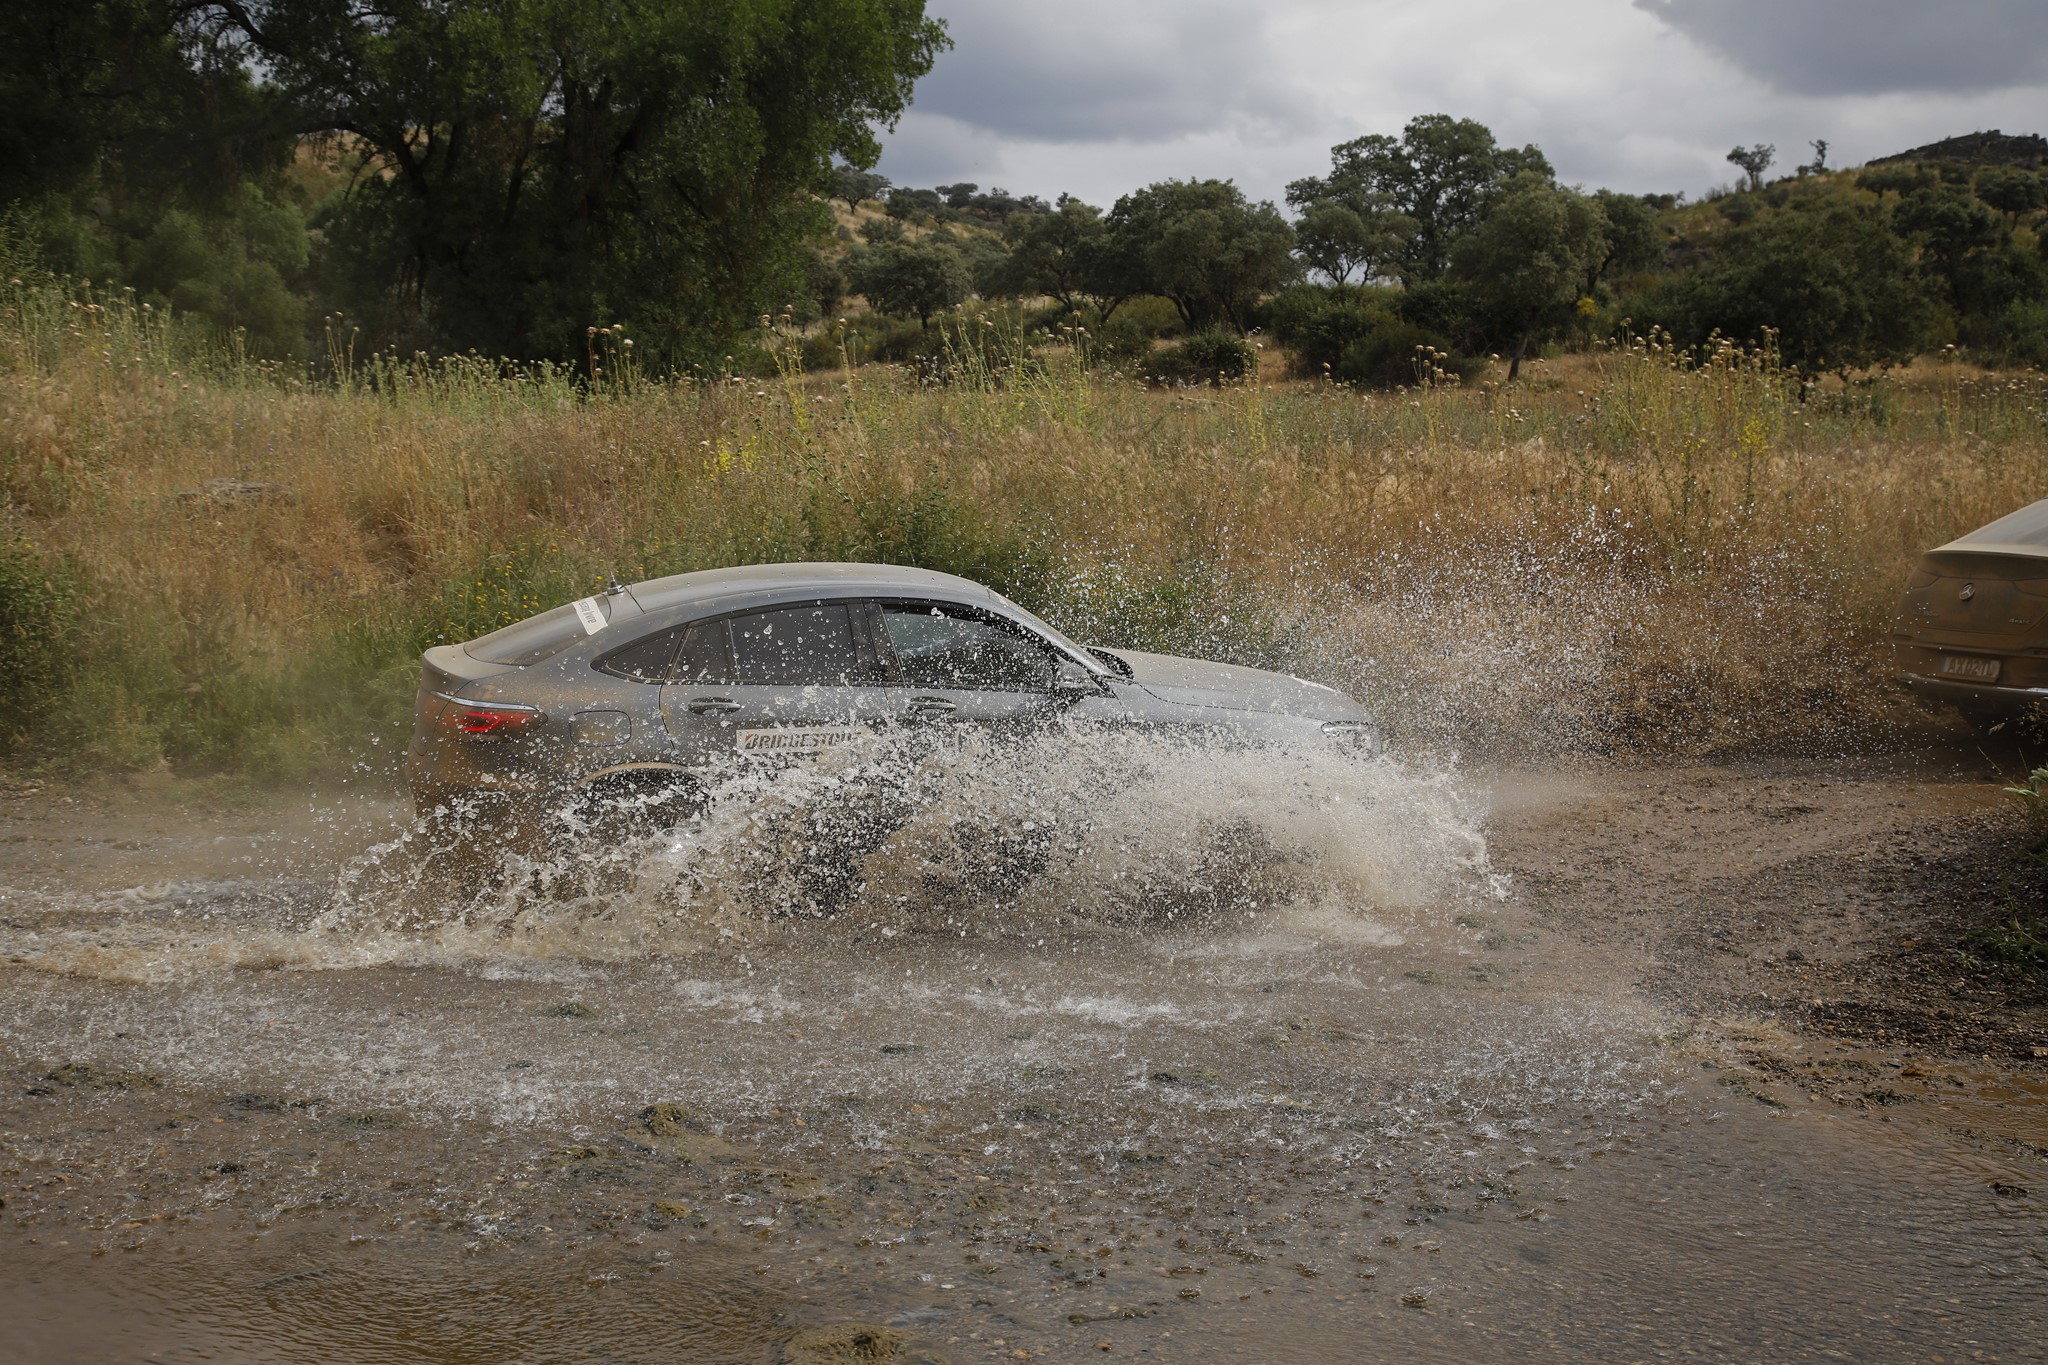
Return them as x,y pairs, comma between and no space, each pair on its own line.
1983,698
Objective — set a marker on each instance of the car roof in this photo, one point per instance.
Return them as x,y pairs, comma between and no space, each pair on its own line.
709,585
2024,532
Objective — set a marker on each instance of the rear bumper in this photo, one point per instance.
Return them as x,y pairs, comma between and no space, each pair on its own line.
1979,697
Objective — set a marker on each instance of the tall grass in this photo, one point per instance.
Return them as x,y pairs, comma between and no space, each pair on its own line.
1634,548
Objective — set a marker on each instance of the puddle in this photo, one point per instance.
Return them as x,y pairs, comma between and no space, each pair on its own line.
1240,1061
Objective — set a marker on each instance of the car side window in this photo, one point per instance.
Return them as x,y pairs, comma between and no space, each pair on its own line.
942,646
645,660
800,647
688,654
705,659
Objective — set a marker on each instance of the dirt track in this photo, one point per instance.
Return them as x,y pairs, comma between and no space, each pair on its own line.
1747,988
1832,898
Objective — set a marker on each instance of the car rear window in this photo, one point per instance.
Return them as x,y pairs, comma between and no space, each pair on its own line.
535,638
2028,526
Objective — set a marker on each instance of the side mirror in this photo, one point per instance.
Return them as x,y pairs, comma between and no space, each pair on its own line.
1075,681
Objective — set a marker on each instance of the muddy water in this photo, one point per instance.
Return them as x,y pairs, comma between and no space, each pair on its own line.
1184,1057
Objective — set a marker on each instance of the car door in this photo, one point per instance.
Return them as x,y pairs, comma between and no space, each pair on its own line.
783,681
953,664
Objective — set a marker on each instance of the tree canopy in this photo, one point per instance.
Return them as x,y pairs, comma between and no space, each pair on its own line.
1524,263
1416,195
1831,279
1201,244
498,177
1754,161
543,164
1055,254
521,169
911,278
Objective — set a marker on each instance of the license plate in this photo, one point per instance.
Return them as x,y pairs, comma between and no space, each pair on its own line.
1969,666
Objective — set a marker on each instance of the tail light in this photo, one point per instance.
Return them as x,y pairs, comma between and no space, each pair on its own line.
487,718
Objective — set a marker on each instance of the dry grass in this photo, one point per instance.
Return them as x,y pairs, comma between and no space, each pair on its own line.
1620,551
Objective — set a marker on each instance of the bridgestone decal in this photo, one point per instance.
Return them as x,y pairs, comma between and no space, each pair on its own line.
797,739
591,615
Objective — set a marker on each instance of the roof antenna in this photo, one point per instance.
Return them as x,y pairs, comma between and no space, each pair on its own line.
612,586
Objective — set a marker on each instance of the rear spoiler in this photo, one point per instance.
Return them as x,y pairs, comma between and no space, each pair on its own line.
445,668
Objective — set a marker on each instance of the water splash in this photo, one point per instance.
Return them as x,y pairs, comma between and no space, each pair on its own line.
961,835
928,836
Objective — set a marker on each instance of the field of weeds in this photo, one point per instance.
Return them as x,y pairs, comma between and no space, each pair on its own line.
1627,551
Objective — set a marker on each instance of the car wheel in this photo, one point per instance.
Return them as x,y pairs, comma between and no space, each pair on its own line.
633,804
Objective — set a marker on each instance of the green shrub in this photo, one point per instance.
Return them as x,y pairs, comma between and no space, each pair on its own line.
522,581
37,647
1155,316
1213,357
1193,607
820,351
1439,306
1120,344
1392,355
1358,339
1895,179
2020,940
1125,341
927,528
1289,314
889,341
1316,325
2020,333
1739,208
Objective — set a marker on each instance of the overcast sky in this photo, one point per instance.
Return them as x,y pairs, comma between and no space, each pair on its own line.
1096,97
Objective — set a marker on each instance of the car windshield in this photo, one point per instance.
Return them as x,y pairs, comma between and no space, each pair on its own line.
536,638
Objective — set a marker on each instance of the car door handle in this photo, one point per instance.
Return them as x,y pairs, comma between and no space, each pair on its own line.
707,705
931,706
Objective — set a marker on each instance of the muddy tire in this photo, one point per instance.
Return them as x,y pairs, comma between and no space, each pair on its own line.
632,805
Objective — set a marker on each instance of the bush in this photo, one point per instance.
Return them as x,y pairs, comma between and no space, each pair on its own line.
1287,312
1125,342
36,647
1739,208
1840,289
874,338
1120,344
1440,306
1391,356
1207,357
2020,333
820,351
1357,339
1155,316
1316,324
1895,179
928,528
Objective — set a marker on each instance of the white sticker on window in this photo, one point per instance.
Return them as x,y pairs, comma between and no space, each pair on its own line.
591,615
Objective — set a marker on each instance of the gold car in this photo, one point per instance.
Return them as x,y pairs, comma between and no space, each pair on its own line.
1973,628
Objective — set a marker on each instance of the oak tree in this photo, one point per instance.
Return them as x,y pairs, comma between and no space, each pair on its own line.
533,166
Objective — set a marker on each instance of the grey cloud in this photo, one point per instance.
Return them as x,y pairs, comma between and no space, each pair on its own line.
1082,71
1871,47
